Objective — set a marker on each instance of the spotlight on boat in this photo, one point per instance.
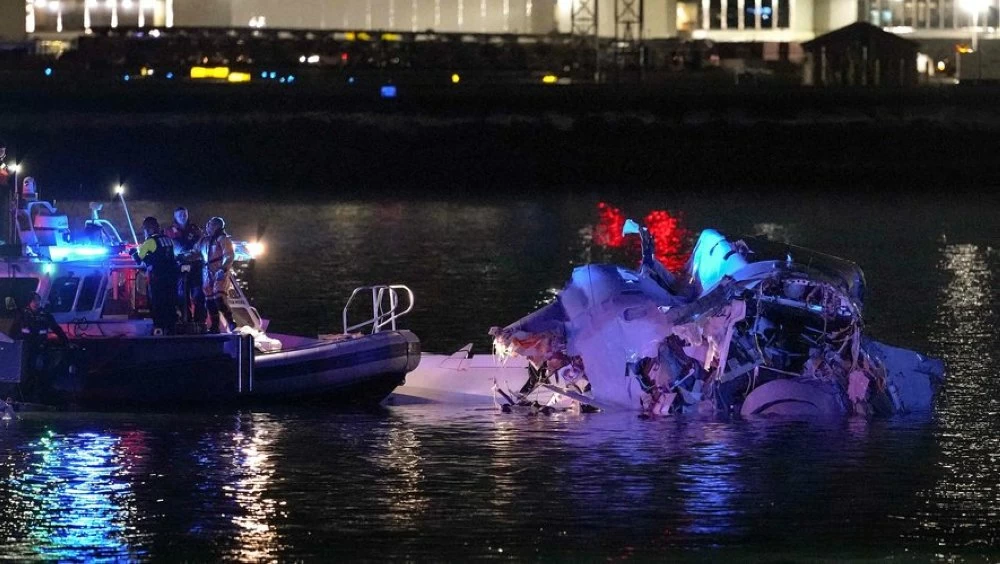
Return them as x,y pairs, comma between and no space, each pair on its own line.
256,249
15,168
119,190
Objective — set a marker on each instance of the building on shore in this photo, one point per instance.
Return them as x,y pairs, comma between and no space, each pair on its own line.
936,24
860,54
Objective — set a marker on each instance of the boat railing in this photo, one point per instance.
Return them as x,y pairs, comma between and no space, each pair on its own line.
385,307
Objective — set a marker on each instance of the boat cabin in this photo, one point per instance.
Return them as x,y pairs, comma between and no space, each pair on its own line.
86,278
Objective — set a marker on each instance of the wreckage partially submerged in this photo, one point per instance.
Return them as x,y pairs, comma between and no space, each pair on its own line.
749,327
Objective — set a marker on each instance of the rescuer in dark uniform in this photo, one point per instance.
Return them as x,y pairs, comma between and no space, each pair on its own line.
157,253
5,172
186,236
35,326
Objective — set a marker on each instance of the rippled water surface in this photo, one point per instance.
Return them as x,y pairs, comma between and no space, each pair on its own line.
434,483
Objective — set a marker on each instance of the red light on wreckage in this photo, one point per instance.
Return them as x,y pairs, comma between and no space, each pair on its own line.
610,221
671,239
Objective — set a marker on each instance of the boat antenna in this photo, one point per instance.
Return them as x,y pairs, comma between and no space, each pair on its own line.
120,190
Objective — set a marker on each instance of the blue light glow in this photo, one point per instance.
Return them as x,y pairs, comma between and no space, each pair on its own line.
389,91
76,495
263,74
48,71
48,269
76,252
291,78
350,80
127,78
274,74
712,259
170,75
282,80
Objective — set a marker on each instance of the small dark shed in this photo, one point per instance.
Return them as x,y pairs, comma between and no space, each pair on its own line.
861,54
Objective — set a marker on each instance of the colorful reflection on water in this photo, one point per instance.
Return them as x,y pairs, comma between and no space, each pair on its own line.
69,496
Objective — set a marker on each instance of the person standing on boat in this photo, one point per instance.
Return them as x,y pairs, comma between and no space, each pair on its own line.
157,253
186,236
8,196
34,326
5,172
218,254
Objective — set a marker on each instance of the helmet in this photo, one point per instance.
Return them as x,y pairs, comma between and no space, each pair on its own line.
217,222
151,224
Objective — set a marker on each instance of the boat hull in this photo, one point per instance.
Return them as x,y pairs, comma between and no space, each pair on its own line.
363,370
220,370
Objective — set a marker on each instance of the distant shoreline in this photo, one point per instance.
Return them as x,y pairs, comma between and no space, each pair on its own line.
671,99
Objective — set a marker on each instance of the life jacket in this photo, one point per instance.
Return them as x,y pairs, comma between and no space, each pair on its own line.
217,252
158,253
186,238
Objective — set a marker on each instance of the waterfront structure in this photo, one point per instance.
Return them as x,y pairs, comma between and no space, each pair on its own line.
929,22
861,54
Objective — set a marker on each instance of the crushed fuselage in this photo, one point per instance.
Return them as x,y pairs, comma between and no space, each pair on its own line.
742,330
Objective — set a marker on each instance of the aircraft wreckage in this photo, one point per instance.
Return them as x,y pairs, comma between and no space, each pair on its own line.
749,327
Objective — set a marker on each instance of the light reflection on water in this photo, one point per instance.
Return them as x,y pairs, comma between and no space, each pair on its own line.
68,497
253,470
443,484
968,489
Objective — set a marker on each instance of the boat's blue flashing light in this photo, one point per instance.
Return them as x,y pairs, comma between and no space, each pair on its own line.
273,74
170,76
48,71
77,252
389,91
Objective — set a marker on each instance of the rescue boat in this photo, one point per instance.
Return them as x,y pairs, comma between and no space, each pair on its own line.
98,296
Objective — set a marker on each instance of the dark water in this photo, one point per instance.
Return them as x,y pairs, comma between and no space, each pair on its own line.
444,484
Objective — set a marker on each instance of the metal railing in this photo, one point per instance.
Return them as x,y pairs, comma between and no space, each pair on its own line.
385,306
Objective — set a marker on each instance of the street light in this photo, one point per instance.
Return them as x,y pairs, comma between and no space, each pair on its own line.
975,7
